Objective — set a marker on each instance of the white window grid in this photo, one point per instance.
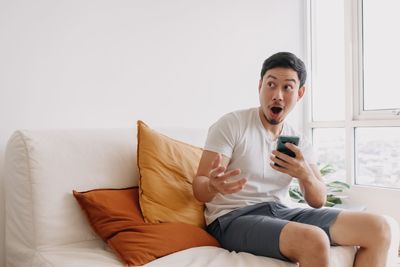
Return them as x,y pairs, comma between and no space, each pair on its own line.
355,116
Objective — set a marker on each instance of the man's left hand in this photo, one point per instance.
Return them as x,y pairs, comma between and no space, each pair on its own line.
296,167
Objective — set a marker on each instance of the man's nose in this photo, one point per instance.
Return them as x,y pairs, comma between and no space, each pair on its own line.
278,95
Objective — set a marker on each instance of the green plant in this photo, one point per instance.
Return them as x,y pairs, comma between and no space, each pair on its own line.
333,188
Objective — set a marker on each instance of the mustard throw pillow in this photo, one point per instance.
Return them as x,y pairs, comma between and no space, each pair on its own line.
167,168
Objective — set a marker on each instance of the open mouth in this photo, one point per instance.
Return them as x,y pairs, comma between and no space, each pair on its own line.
276,110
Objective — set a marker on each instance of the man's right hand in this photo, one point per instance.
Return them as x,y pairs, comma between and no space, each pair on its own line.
219,179
212,179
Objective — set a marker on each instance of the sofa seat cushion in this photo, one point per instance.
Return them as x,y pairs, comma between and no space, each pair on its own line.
82,254
93,253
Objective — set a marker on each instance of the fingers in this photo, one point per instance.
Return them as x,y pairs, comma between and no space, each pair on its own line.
214,173
216,168
220,179
292,166
230,174
278,167
296,150
279,163
232,187
218,174
282,162
279,156
217,161
224,187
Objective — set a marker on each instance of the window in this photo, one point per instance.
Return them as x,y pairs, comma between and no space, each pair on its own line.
328,102
354,117
330,141
377,156
381,55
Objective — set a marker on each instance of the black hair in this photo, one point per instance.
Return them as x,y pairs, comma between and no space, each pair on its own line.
285,60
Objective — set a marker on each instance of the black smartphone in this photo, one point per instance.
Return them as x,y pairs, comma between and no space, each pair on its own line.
284,139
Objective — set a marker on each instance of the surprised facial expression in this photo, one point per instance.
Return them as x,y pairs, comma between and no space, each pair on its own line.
279,92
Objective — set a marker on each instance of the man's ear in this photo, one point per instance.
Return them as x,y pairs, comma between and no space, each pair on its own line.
301,92
259,85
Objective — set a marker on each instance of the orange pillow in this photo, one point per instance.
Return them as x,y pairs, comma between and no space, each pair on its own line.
115,216
144,243
110,210
167,168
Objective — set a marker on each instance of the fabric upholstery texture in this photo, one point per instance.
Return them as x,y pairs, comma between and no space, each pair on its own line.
115,216
167,168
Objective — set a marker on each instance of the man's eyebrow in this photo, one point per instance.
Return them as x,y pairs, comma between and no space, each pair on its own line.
291,80
288,80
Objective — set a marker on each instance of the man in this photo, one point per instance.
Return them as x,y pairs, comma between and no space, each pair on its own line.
244,180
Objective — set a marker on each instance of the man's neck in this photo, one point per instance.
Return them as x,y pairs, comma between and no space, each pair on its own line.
273,129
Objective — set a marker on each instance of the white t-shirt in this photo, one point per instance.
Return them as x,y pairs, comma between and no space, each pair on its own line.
240,136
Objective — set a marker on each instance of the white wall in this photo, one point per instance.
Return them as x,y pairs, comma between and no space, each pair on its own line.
98,63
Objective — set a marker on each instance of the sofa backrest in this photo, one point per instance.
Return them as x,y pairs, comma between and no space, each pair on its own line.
42,169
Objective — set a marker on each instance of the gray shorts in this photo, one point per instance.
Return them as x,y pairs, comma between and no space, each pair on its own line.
256,229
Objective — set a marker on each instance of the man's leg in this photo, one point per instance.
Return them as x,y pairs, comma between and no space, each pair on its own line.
307,244
271,237
370,232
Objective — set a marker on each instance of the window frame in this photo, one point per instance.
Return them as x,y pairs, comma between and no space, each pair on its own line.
355,116
355,19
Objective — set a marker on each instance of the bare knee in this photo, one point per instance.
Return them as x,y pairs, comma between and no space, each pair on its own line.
380,232
315,240
307,242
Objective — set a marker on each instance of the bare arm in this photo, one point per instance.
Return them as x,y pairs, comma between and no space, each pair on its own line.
309,177
314,189
212,179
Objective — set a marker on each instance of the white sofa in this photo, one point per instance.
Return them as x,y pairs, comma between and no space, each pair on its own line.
45,226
